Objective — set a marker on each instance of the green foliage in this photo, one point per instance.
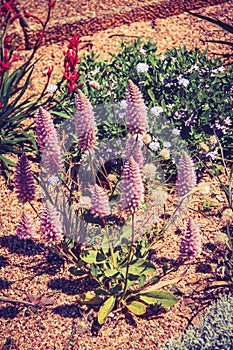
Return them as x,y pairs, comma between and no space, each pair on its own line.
117,270
17,104
215,330
192,91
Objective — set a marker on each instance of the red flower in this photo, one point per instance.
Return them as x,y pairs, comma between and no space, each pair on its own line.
51,4
50,71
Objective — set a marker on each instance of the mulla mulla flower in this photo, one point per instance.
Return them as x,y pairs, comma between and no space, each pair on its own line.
186,180
132,189
133,147
136,110
190,244
24,181
47,140
99,202
51,227
24,228
85,122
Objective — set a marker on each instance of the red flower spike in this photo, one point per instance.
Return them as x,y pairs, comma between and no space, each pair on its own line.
132,189
51,4
50,71
24,180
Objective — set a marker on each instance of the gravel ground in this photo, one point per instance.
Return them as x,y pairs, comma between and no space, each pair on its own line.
33,272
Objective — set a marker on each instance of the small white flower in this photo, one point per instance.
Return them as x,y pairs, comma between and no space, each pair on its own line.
123,104
94,72
53,180
156,111
227,121
183,82
193,68
166,144
176,132
51,88
163,57
142,51
142,67
154,146
170,106
212,154
218,70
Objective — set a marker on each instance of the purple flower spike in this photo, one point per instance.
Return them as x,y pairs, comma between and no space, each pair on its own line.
132,189
47,140
133,148
24,181
51,227
136,111
85,122
186,176
25,229
190,244
99,202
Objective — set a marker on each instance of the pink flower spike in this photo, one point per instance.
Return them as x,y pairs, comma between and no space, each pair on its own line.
85,122
99,202
24,180
51,227
136,111
47,140
132,189
186,178
190,244
24,228
133,147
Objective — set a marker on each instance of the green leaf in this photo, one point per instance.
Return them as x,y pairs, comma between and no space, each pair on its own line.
111,272
76,271
142,281
151,94
89,256
6,160
136,307
105,309
161,297
89,298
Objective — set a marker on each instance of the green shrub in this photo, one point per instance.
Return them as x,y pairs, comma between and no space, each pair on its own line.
188,96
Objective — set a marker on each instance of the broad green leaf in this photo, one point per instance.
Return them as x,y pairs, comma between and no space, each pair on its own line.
111,272
89,256
161,297
105,309
136,307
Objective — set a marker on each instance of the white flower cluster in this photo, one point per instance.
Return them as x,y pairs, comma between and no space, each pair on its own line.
182,81
156,111
51,88
142,67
